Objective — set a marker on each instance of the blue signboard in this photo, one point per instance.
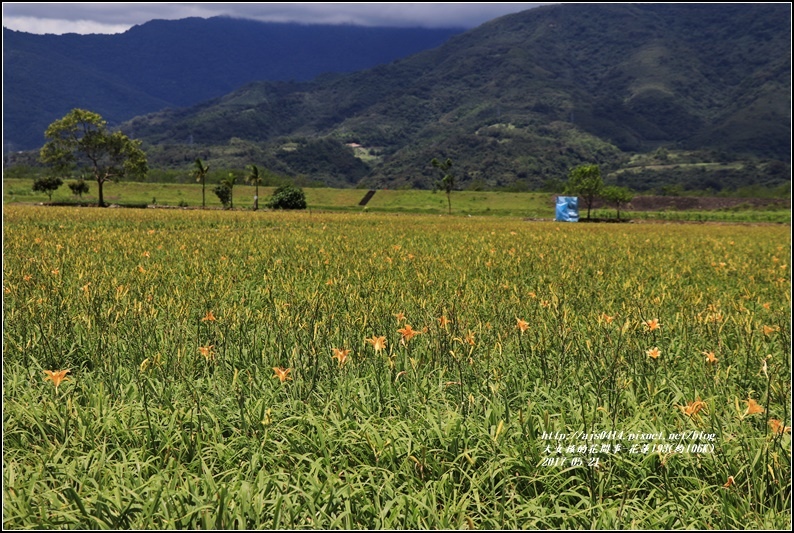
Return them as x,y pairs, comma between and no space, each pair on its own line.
567,209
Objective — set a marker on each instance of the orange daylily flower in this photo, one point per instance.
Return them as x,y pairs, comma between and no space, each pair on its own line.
652,324
606,318
207,352
522,325
753,407
57,376
654,353
340,355
710,358
443,321
470,338
400,317
777,427
281,373
693,408
407,332
729,483
768,330
379,343
209,317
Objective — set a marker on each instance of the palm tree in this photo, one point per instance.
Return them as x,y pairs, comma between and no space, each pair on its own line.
201,174
256,179
447,182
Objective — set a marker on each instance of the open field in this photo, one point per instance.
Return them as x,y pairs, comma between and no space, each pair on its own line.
232,369
408,201
476,203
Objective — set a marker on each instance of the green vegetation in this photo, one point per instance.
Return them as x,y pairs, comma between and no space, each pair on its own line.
225,190
287,197
200,173
476,203
585,181
169,369
81,142
617,196
447,181
79,188
47,185
596,84
665,99
255,178
126,75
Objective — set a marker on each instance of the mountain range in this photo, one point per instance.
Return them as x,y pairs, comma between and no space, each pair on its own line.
178,63
522,98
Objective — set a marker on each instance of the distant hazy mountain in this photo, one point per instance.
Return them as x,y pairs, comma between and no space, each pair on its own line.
523,97
177,63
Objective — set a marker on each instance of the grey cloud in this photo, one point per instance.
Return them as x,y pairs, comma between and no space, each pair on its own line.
114,16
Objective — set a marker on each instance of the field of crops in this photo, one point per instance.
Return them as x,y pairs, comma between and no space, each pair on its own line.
296,370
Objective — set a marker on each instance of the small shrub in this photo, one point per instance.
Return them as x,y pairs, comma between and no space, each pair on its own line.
224,194
79,188
287,197
48,185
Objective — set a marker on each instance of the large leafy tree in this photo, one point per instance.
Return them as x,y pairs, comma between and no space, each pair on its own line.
585,181
447,181
81,141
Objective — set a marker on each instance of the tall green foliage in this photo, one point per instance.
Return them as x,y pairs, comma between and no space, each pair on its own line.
617,196
47,184
585,181
200,174
255,178
287,197
225,190
447,181
81,140
79,187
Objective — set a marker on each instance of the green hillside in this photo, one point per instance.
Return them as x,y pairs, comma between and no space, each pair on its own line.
521,99
176,63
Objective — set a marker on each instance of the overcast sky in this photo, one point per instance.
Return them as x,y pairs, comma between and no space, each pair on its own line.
116,18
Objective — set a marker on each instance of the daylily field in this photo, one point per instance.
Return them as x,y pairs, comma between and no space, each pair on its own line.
212,369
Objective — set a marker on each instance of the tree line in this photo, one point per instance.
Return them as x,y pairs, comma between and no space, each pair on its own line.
585,181
80,143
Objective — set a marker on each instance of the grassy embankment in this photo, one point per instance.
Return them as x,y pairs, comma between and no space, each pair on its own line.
479,203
